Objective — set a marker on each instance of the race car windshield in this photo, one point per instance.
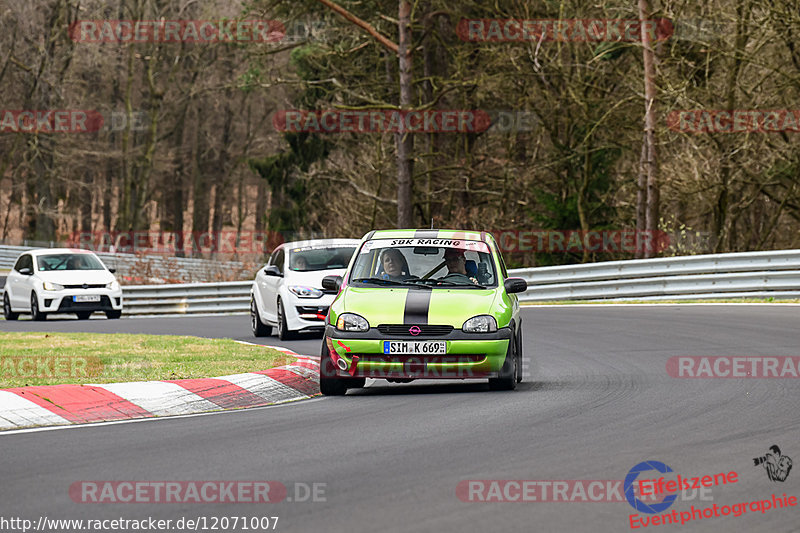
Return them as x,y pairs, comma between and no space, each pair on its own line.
435,263
309,259
68,262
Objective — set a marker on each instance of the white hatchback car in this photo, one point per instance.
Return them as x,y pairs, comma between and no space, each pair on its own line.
61,280
287,293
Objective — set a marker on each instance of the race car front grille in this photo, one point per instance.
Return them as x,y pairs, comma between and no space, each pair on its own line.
86,286
405,330
68,305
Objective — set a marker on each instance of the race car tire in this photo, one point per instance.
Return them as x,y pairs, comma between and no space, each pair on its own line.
84,315
284,333
113,315
507,380
35,313
329,383
8,314
259,328
519,356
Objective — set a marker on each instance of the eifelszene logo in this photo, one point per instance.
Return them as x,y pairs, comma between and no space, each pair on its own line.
630,480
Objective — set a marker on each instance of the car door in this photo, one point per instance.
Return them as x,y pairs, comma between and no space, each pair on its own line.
261,286
19,284
270,284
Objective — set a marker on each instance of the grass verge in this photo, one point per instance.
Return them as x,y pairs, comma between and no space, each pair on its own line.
55,358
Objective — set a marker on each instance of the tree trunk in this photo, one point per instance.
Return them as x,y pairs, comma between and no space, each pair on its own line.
641,200
404,141
652,215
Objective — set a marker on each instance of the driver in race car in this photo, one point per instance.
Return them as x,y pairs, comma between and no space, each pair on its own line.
456,263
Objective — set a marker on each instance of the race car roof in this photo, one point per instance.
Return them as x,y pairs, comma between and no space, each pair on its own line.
427,234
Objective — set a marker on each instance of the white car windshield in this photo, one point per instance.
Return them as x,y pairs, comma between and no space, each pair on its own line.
311,258
68,262
437,263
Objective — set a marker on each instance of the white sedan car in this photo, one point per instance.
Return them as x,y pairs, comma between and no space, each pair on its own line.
287,293
61,280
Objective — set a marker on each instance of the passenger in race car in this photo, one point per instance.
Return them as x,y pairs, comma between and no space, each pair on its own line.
456,263
395,266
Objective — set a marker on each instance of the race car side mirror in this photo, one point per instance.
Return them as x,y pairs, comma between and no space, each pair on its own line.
25,271
273,270
514,285
332,283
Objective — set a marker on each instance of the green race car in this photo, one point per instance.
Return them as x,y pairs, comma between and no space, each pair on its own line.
423,304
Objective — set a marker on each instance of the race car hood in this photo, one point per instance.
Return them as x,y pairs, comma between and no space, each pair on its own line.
76,277
418,306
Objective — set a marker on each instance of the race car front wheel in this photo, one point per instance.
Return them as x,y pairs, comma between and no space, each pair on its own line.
329,383
284,333
35,313
507,380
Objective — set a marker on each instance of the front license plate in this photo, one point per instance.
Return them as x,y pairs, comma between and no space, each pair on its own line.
86,298
414,347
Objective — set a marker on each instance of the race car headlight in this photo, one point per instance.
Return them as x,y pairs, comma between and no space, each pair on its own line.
113,286
351,322
480,324
305,292
50,286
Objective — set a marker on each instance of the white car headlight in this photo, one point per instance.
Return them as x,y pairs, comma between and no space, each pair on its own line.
480,324
305,292
50,286
113,286
352,322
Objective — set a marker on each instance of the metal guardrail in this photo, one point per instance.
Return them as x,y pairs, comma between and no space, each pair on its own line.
753,274
177,267
232,297
749,274
187,298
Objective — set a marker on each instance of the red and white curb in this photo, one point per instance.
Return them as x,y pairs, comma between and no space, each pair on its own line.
57,405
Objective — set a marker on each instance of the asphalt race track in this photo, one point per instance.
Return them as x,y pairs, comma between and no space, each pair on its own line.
391,456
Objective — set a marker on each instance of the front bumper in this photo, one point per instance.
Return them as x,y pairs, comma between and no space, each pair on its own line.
63,301
307,314
468,356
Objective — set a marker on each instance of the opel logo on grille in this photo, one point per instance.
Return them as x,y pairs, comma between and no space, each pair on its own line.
414,330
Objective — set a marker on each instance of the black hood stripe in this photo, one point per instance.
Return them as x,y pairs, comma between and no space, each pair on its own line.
418,303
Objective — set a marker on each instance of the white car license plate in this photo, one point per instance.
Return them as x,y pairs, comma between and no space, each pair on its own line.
415,347
86,298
